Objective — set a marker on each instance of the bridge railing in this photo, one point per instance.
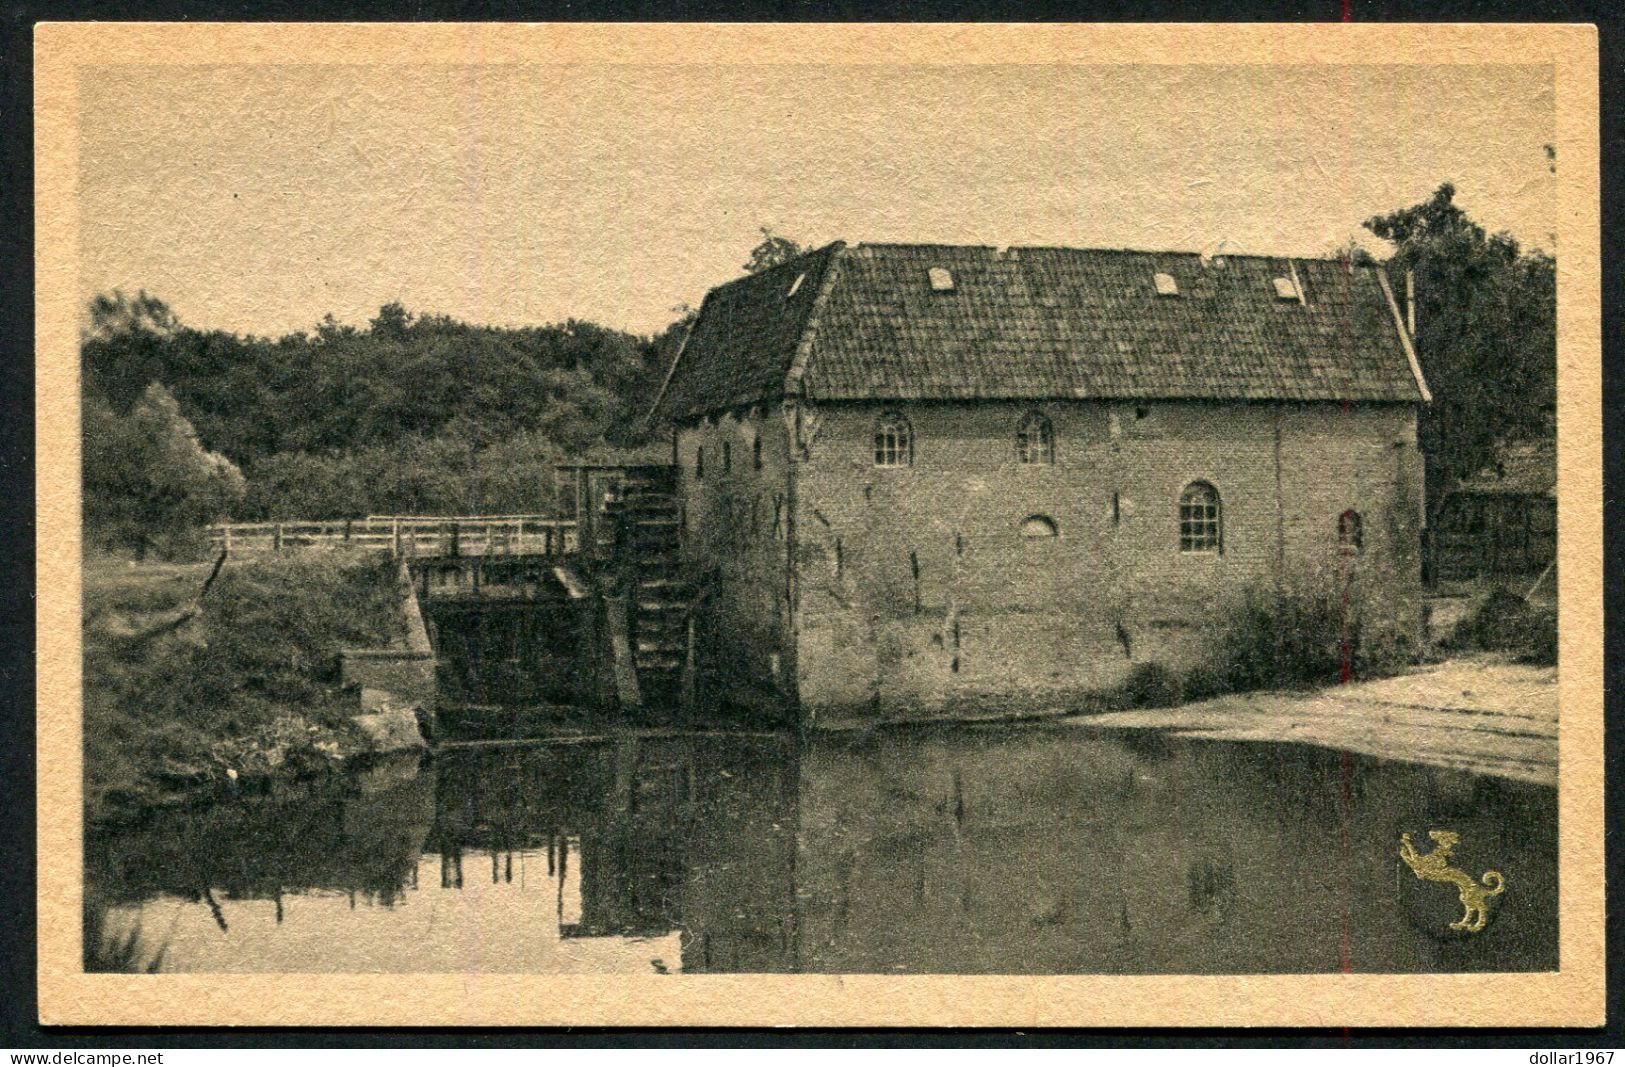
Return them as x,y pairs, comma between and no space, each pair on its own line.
414,535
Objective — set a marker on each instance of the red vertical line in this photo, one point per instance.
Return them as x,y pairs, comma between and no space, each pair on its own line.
1345,945
1346,668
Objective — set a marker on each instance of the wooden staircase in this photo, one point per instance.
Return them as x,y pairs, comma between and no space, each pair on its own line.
661,603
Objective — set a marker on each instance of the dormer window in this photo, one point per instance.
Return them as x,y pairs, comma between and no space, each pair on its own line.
942,280
1285,290
1166,286
795,285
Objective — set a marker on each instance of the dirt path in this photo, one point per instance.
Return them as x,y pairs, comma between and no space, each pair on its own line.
1482,714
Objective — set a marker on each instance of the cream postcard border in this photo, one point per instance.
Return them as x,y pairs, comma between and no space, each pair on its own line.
1572,996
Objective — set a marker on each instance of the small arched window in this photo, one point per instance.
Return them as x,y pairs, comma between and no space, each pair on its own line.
1350,533
1035,440
1201,523
894,441
1039,528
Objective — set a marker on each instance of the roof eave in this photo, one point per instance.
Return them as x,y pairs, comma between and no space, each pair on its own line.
1404,335
665,383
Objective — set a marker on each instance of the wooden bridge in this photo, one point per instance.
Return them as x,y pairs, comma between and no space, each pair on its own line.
506,597
411,536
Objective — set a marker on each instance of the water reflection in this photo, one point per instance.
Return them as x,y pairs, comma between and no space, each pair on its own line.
966,850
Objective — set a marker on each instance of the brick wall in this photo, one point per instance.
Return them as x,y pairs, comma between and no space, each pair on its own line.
916,594
736,522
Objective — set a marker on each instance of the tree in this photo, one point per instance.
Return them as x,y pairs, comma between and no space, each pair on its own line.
1486,334
148,483
773,250
409,413
392,322
115,312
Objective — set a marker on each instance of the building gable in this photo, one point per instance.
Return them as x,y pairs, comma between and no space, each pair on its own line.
745,338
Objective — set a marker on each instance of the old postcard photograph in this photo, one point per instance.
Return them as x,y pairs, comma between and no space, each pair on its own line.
819,525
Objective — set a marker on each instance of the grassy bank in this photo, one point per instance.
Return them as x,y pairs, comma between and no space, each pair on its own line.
183,693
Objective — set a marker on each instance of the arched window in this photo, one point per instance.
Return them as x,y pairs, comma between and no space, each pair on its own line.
1350,533
894,443
1039,528
1035,441
1200,520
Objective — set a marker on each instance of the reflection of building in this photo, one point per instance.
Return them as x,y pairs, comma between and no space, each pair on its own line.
740,904
927,480
632,852
1022,850
1074,851
696,834
1025,850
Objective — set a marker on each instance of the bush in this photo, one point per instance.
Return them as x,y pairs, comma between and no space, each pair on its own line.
1203,682
1151,685
1301,639
1505,622
179,690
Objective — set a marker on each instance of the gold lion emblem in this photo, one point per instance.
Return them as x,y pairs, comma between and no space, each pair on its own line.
1435,867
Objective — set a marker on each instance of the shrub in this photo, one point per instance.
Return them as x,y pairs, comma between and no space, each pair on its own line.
1291,640
179,690
1505,622
1203,682
1300,638
1151,685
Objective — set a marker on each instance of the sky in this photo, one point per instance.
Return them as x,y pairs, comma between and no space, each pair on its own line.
261,198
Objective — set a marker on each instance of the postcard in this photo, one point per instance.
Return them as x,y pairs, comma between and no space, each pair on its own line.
855,525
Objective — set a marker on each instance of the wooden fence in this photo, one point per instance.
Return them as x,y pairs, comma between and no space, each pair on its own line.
408,535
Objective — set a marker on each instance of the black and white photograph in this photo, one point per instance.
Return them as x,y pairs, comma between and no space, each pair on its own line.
645,519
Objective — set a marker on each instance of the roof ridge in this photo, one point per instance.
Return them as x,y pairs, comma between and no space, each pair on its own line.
1097,250
777,267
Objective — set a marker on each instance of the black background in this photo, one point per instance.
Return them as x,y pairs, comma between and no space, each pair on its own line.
18,1002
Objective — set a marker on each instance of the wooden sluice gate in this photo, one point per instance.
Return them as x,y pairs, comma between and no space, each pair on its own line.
537,622
529,643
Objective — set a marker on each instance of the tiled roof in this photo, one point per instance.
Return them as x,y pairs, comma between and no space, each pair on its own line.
1043,323
745,338
1522,468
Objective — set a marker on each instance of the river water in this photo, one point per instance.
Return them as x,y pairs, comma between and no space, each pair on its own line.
1039,849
